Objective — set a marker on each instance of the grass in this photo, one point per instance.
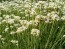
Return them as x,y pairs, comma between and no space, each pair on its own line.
32,25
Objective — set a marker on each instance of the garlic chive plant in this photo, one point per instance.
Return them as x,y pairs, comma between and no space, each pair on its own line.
31,24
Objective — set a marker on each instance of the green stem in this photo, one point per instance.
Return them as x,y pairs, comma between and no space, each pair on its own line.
55,43
51,31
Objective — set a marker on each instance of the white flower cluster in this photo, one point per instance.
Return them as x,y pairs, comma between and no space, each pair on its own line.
33,13
20,29
14,42
63,18
63,35
12,32
35,32
1,38
34,22
24,23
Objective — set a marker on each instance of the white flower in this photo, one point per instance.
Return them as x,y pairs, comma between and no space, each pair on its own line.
6,29
55,17
47,21
14,42
10,21
52,5
49,14
63,18
33,12
24,23
16,17
27,5
0,18
3,21
6,16
2,39
63,35
0,36
26,11
16,25
20,29
12,32
11,26
39,17
33,22
0,23
40,2
35,32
